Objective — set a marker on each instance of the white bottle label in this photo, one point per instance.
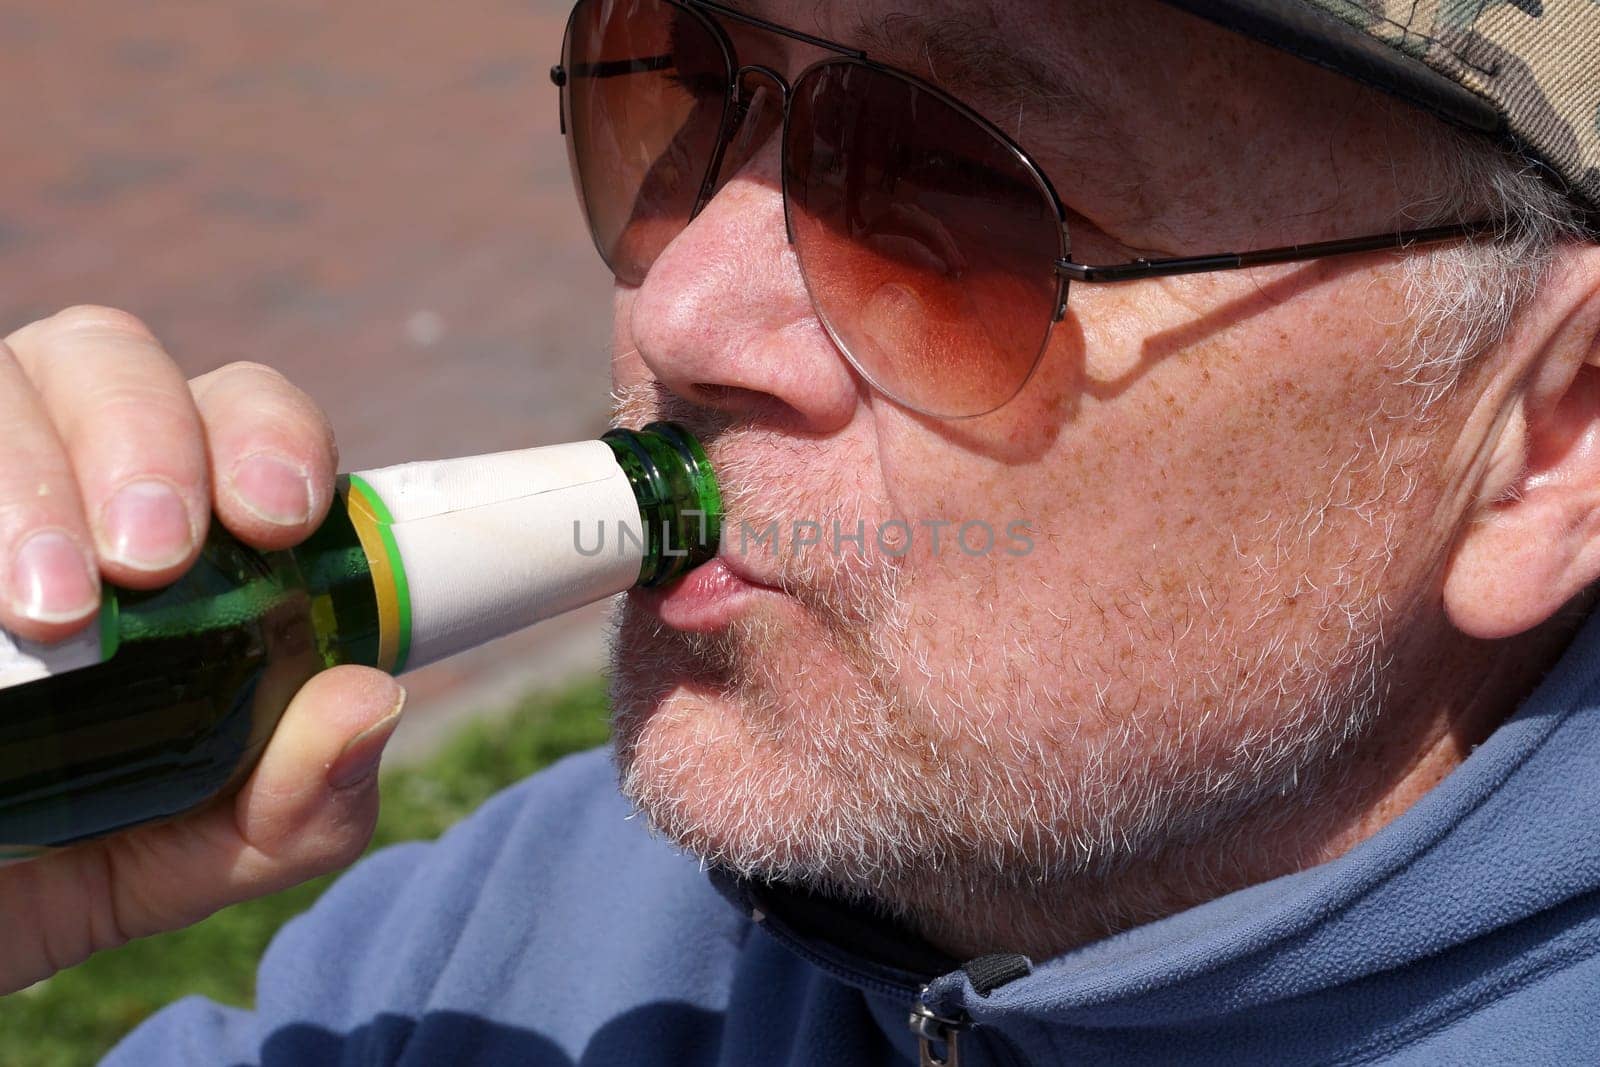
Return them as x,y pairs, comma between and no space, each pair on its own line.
491,544
463,551
22,661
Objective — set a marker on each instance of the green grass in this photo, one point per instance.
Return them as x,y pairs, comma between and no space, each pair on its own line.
75,1017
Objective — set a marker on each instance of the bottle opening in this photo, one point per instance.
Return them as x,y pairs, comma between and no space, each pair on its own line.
680,504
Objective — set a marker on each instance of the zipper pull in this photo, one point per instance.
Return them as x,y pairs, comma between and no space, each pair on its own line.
938,1038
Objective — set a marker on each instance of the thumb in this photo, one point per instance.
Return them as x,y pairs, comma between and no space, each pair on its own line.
309,807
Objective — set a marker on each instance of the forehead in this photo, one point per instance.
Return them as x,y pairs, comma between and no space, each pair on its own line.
1024,42
1141,55
1052,40
1168,117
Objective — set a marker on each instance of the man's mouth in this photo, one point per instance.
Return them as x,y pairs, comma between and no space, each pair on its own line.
705,600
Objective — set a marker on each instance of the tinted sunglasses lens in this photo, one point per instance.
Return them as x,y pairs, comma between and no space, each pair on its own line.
647,86
927,243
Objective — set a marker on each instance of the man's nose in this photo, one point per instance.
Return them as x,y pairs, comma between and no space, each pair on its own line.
724,318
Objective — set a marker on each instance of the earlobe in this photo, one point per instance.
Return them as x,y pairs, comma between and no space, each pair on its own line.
1532,542
1520,560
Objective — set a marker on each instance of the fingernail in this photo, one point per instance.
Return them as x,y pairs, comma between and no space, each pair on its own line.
359,759
52,579
147,526
273,489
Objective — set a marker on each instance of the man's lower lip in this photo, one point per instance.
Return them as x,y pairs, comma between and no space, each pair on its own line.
706,599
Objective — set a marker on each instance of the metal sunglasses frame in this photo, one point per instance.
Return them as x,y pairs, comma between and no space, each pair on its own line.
1065,267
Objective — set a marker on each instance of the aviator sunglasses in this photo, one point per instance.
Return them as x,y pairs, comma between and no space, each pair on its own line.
935,250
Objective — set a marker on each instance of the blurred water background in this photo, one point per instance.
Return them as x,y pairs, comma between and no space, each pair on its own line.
371,196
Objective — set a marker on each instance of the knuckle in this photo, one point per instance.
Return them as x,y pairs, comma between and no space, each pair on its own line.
354,836
252,387
96,319
135,426
81,917
330,842
245,368
138,405
25,510
110,923
142,894
265,396
36,490
340,853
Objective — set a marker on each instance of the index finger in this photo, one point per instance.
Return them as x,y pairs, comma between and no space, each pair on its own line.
132,435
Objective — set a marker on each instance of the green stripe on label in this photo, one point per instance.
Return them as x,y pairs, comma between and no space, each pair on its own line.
110,626
402,588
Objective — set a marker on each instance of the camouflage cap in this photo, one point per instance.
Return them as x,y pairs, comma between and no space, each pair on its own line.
1525,70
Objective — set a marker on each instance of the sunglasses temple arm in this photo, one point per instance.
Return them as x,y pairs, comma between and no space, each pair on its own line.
1161,268
611,68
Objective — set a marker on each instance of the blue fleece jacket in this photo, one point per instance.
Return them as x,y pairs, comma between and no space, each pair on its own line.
551,929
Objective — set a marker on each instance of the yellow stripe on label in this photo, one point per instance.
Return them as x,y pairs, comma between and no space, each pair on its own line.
371,521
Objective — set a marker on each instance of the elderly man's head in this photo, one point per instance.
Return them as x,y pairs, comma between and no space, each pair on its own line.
1246,560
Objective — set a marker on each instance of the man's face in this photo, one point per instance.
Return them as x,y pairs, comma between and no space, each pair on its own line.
1214,514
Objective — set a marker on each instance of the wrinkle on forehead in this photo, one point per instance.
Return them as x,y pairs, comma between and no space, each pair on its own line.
1010,59
968,47
981,48
1172,135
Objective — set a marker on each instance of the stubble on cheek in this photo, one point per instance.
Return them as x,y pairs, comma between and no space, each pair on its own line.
738,744
811,738
853,737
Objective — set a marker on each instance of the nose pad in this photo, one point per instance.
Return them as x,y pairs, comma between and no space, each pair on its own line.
758,114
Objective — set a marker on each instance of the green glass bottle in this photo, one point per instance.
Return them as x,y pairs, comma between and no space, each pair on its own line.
171,699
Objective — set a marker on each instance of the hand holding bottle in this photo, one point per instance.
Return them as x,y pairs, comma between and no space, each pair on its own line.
112,469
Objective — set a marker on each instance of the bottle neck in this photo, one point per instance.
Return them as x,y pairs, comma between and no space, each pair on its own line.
464,551
680,505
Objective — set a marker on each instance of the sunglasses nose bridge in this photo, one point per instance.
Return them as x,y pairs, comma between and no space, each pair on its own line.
737,139
752,72
786,95
746,86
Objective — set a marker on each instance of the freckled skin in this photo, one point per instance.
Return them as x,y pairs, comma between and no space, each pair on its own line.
1229,512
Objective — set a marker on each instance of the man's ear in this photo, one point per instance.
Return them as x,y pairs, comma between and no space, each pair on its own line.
1531,542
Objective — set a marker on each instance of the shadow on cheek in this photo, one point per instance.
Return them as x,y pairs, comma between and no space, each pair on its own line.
1260,300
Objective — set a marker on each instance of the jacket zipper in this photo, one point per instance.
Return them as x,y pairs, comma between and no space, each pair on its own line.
938,1038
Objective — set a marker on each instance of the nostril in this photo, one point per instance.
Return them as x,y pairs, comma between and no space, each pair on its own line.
719,395
749,402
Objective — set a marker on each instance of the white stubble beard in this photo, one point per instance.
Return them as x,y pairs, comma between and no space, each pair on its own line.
956,793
